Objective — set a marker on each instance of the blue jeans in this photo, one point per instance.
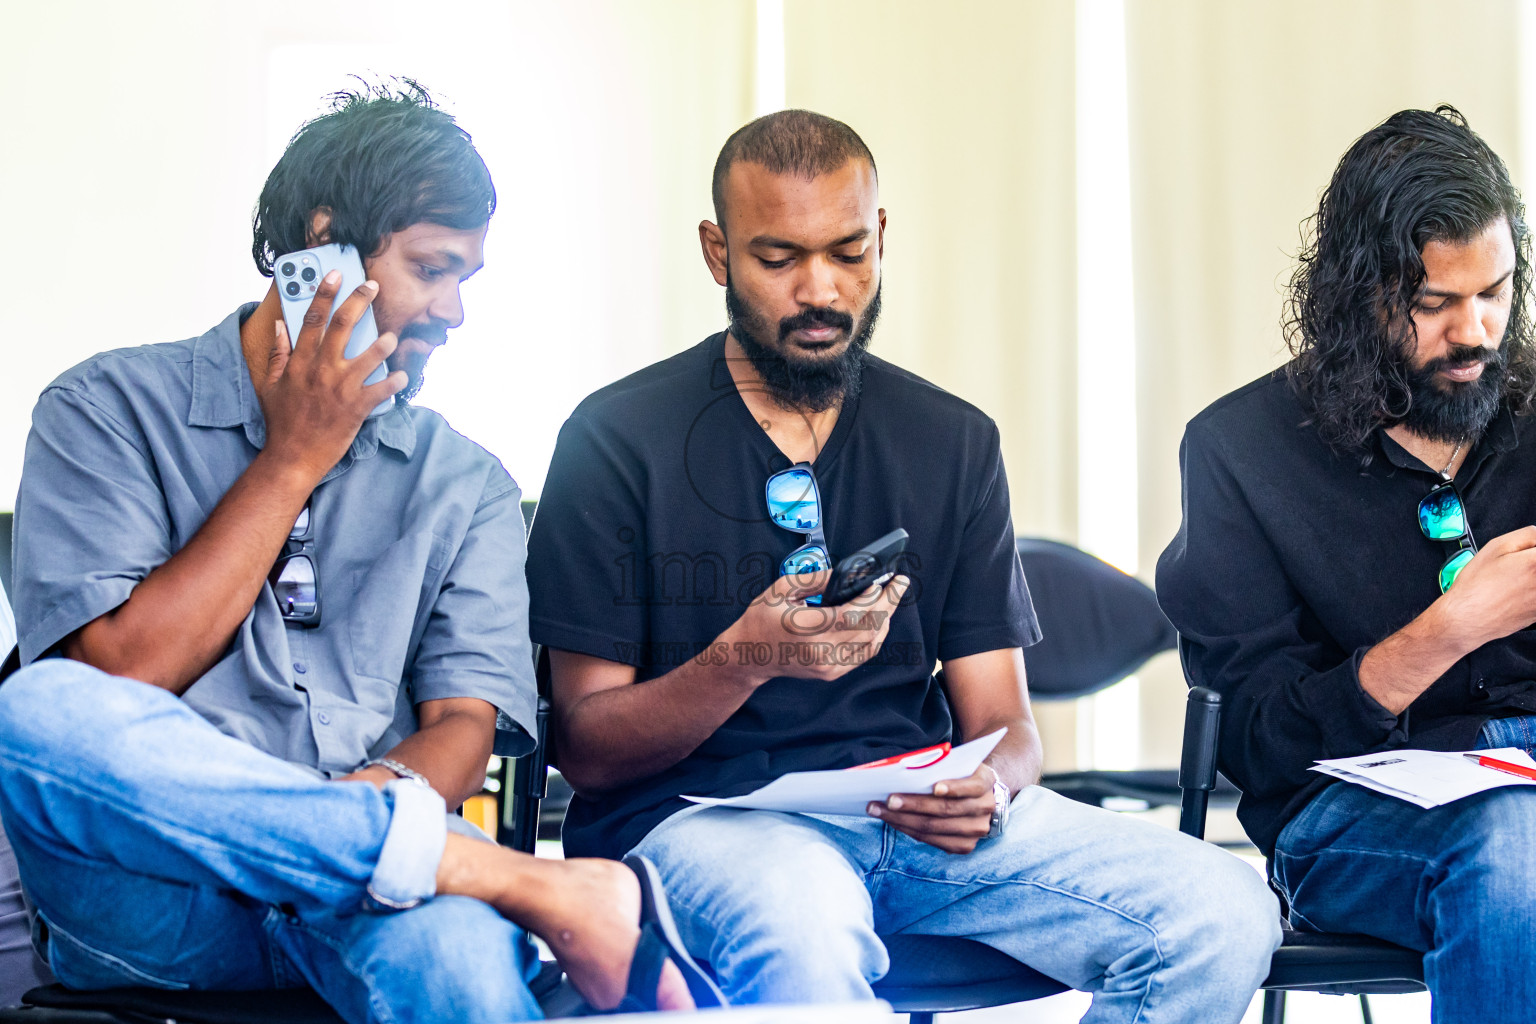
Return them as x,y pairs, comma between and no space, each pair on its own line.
1456,881
790,908
160,852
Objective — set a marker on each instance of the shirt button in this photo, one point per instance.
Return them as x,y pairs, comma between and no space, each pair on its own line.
325,719
300,667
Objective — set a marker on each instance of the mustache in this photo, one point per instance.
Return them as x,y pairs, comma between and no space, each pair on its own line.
816,316
1462,356
435,331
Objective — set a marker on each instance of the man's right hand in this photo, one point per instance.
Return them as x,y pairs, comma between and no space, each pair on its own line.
1495,594
312,396
781,635
611,730
178,620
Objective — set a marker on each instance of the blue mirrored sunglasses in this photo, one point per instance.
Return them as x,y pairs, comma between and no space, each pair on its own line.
1442,517
794,503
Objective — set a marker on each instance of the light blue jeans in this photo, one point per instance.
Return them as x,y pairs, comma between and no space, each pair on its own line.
160,852
1457,881
790,908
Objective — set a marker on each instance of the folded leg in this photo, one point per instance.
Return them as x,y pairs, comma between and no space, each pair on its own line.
117,771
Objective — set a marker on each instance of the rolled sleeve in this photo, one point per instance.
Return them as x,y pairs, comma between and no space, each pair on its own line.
90,520
476,639
406,871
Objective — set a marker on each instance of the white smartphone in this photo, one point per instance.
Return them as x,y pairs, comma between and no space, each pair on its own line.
298,274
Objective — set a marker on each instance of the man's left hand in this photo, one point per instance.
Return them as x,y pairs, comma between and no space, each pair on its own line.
955,817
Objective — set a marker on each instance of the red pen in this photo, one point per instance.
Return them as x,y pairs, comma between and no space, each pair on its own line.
1502,766
913,758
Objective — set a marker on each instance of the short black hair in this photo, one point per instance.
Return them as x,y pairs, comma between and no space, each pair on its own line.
385,157
1420,176
800,142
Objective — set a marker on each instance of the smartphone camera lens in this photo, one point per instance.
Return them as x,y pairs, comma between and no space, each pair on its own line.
287,269
308,274
292,287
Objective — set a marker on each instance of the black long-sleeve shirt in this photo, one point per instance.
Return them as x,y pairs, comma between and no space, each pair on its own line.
1292,562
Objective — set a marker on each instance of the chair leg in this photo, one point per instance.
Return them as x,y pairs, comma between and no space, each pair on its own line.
1365,1010
920,1017
1274,1007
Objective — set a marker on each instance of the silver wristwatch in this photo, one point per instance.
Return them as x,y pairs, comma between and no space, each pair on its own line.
403,771
1002,798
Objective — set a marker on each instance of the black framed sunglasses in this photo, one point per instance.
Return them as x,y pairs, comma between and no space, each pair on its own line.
794,503
1443,517
294,578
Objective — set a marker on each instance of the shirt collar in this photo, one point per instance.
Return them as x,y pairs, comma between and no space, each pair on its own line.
223,396
1502,435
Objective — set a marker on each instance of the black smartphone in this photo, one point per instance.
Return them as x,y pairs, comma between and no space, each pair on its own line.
870,566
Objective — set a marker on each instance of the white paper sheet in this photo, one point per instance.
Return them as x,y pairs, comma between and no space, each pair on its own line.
850,790
1428,778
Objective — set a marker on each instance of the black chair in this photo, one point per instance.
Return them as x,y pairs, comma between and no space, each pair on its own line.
5,552
1098,625
1308,961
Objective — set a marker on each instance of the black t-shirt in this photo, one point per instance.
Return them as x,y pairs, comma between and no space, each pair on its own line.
1292,562
652,536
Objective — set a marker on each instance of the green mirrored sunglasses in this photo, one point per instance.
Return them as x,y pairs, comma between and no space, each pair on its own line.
1442,517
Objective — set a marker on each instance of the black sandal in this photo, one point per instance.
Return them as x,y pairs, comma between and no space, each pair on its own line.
660,941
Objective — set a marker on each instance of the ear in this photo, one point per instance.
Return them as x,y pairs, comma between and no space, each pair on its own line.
880,242
319,230
716,256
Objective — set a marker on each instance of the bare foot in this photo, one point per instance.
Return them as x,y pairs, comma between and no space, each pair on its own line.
588,910
595,932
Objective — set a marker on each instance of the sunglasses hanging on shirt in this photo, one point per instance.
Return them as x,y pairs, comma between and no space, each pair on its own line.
294,577
1442,517
794,503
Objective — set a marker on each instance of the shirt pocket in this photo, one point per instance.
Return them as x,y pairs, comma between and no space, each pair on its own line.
390,601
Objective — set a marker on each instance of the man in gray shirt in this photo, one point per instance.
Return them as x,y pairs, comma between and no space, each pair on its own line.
215,789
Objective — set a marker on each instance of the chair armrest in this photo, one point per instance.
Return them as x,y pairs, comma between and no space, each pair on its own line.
1197,763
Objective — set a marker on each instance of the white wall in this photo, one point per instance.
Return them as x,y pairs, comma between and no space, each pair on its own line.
138,136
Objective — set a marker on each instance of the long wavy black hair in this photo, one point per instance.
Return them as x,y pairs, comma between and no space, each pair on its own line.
1418,177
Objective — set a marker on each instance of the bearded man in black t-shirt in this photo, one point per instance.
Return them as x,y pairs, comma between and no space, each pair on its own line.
1328,582
687,657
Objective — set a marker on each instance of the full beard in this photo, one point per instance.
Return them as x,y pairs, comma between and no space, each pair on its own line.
812,385
416,376
1460,411
415,363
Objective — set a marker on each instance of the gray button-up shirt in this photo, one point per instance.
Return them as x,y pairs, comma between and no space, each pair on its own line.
418,543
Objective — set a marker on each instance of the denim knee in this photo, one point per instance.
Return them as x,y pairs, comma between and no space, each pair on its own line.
1232,911
33,724
1492,853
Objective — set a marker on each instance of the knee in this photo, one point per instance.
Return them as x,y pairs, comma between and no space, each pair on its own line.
33,700
58,708
32,728
1231,913
1492,867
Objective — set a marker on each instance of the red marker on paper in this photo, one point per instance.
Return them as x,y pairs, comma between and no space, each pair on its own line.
914,758
1502,766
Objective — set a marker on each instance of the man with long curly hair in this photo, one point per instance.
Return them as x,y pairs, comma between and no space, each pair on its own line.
1356,569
